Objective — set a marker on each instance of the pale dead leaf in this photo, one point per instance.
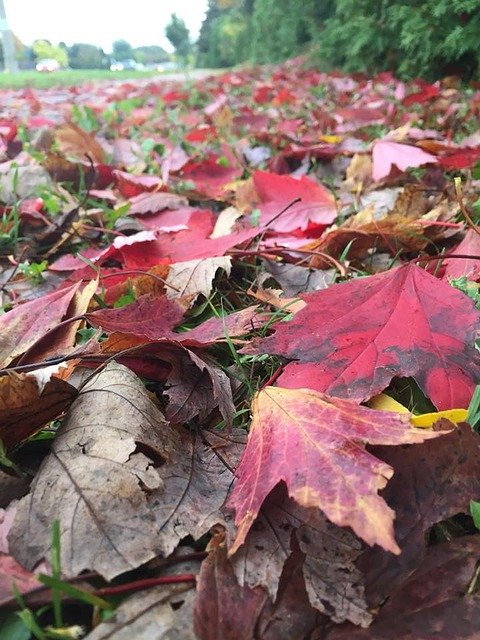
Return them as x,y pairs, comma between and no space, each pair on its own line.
162,613
225,222
96,482
124,485
195,277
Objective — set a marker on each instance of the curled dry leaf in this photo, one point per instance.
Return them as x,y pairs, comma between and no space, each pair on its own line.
123,484
74,142
26,404
313,443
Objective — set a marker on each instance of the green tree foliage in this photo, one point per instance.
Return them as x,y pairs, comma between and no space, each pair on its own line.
416,38
179,35
87,56
150,54
122,50
412,38
225,35
45,49
284,28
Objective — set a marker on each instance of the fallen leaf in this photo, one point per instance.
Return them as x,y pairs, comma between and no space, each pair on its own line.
155,319
223,609
193,278
25,324
334,585
432,603
385,154
225,222
276,192
77,143
431,483
468,267
157,201
26,404
162,613
350,340
306,431
295,279
96,481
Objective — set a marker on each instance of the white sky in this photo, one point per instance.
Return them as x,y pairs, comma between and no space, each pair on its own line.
100,22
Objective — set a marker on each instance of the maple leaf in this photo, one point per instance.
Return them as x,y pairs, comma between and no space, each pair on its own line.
353,338
25,324
313,443
386,153
276,192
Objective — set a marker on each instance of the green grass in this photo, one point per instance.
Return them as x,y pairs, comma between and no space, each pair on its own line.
66,77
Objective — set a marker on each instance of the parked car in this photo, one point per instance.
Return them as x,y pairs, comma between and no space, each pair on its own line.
47,65
127,65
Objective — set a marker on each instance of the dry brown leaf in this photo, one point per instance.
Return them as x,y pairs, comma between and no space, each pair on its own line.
161,613
123,484
334,585
274,297
27,403
96,481
190,279
359,172
74,142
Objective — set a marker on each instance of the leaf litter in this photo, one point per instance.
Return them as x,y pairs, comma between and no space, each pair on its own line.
195,321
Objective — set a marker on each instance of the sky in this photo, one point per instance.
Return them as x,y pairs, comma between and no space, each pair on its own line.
100,22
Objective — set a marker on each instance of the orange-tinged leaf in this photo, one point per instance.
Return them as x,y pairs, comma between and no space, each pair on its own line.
313,442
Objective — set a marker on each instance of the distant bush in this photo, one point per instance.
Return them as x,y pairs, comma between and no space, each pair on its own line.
427,38
412,38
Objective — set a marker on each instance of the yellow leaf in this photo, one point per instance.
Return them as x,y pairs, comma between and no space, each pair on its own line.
383,402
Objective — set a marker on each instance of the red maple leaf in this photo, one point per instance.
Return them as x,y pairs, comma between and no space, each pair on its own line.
351,339
277,191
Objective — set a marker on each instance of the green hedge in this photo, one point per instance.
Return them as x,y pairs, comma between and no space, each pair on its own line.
413,38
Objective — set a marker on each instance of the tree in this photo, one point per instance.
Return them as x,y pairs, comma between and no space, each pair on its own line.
122,50
86,56
151,54
419,38
179,36
296,26
8,44
45,49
